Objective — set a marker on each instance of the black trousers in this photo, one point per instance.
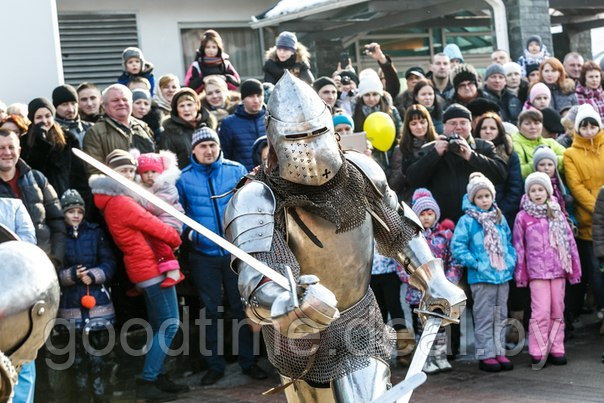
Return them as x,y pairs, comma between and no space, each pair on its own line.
387,290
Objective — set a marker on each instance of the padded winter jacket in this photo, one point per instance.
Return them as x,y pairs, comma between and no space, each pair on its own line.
108,135
90,248
598,225
537,258
298,64
584,172
564,96
196,186
129,223
238,133
14,216
467,247
525,149
198,71
42,204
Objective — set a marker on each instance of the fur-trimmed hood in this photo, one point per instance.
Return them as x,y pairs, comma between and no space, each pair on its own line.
104,185
302,54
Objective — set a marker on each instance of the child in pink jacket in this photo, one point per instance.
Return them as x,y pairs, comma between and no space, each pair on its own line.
547,256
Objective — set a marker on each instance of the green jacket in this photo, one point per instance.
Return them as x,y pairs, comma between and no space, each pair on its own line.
525,149
107,135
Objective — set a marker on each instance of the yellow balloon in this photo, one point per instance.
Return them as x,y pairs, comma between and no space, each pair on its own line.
380,130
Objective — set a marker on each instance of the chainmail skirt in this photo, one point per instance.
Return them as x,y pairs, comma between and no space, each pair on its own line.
344,347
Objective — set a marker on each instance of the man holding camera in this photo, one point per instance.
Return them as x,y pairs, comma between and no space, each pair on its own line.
445,164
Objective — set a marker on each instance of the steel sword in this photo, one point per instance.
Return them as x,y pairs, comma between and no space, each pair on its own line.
159,203
401,393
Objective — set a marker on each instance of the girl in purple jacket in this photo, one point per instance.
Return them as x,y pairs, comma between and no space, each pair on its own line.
547,256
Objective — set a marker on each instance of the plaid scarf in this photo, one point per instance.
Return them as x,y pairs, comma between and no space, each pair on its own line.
492,239
212,61
558,236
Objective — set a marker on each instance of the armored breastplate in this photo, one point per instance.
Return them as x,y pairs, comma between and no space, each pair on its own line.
343,264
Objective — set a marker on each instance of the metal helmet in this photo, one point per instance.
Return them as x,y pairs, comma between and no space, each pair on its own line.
29,300
300,130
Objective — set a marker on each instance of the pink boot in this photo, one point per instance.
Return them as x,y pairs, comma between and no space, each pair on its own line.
505,363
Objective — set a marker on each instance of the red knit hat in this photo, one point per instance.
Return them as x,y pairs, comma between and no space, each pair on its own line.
150,162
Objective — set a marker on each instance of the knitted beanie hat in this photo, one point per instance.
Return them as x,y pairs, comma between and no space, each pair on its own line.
250,87
512,67
130,53
287,40
183,93
36,104
150,162
370,83
415,71
539,89
70,199
463,72
494,68
322,82
543,152
538,178
64,93
586,111
423,200
530,68
120,158
140,93
343,118
456,111
552,121
477,182
534,38
204,134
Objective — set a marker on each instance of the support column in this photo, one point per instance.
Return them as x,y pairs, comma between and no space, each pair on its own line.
579,41
35,67
327,55
527,18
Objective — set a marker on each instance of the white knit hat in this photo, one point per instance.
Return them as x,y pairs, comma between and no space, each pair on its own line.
370,83
512,67
586,111
538,178
477,182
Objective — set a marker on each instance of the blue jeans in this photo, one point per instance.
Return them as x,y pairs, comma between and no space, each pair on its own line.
162,309
211,274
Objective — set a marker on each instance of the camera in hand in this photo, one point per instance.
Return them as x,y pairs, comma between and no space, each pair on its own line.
345,80
454,143
369,49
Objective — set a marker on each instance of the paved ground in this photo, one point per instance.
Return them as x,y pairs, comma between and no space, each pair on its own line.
582,380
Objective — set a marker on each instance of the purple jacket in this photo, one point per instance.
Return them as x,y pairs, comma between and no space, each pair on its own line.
537,259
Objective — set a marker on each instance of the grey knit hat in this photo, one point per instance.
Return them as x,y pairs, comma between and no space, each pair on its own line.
477,182
119,158
538,178
494,68
71,199
204,134
287,40
140,93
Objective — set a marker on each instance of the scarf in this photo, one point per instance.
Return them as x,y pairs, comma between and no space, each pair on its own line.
492,239
211,61
558,236
162,102
368,110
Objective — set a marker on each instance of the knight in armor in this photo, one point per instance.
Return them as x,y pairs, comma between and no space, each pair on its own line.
315,212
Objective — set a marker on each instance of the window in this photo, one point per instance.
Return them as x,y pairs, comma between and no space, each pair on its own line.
92,45
241,44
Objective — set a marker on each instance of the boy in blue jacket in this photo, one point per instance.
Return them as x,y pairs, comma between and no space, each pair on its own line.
482,243
85,301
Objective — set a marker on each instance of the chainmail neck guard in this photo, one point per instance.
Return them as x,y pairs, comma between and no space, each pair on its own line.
341,201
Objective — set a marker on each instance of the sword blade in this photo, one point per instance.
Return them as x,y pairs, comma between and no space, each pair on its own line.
421,352
402,388
159,203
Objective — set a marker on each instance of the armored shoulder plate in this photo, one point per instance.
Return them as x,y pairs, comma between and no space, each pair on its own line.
376,176
249,218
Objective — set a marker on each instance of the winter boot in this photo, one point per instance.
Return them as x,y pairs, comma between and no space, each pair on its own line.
430,366
147,391
405,343
440,357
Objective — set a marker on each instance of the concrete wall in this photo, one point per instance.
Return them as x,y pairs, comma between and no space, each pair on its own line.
159,22
526,18
31,65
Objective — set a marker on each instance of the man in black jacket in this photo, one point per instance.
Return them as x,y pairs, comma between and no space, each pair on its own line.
445,165
18,180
